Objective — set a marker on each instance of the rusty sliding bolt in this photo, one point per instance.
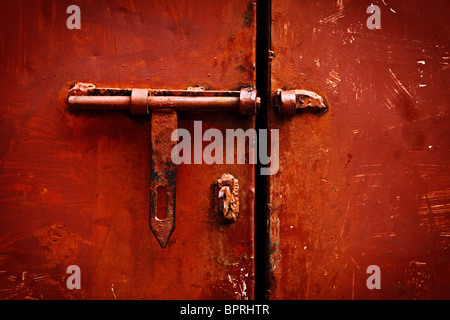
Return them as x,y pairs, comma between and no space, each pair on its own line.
144,101
289,101
162,106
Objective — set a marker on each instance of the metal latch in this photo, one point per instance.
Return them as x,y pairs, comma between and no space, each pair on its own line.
289,101
162,105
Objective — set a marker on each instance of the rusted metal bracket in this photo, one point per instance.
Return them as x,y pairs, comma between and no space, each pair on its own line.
163,105
162,176
227,197
289,101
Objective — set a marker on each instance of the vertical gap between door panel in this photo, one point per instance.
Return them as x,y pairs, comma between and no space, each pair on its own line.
263,14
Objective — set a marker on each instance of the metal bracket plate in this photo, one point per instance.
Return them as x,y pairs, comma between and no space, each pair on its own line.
162,176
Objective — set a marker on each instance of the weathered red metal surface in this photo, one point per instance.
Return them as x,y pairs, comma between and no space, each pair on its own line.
366,183
74,187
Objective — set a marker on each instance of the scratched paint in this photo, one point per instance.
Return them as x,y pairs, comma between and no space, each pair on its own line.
368,181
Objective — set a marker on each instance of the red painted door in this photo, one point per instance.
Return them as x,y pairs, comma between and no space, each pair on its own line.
366,183
74,187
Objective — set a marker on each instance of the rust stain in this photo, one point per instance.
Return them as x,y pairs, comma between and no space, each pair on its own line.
62,245
227,197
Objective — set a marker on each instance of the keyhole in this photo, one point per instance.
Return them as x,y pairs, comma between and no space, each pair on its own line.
161,203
